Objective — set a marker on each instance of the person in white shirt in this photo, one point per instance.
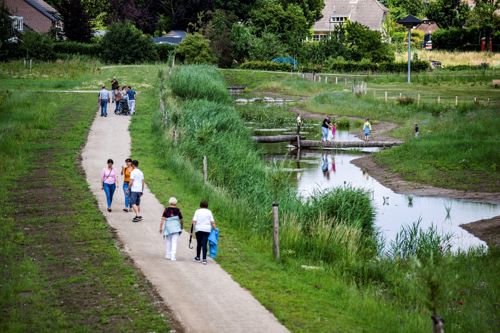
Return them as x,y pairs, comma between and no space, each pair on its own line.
203,222
136,188
103,101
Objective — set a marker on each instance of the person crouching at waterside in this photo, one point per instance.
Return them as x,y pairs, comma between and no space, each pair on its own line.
203,222
171,227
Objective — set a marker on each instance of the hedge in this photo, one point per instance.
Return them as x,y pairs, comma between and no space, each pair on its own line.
363,66
460,39
267,66
164,51
72,47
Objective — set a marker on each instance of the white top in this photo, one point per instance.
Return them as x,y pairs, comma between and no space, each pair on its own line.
203,218
104,94
138,177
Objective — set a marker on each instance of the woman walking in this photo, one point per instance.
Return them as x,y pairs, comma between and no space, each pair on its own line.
126,170
109,180
203,222
171,227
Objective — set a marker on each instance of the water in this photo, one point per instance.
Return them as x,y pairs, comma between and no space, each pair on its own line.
314,171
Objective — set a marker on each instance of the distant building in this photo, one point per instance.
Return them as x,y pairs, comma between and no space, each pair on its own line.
367,12
35,15
174,37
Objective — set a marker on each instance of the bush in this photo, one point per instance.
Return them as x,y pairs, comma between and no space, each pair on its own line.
195,49
72,47
343,124
405,100
125,44
38,46
459,39
267,66
340,65
199,82
164,51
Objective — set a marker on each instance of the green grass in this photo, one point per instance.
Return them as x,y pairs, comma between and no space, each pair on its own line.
61,267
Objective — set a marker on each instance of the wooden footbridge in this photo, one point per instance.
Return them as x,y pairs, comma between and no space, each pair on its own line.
305,144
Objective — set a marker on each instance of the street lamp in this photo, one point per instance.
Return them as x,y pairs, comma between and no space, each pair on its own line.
409,22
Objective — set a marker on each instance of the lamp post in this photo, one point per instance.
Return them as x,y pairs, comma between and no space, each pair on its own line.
409,22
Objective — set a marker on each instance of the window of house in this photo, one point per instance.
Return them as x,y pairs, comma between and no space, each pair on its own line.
17,23
337,19
316,38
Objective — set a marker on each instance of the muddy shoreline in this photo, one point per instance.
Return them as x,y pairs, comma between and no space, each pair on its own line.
486,230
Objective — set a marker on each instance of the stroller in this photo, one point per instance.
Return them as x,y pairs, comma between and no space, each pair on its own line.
122,107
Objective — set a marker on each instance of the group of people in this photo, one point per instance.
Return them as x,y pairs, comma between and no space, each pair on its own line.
124,99
171,224
133,185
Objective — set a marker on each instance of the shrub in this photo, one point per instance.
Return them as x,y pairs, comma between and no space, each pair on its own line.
125,44
405,100
343,124
72,47
199,82
195,49
164,51
38,46
266,66
340,65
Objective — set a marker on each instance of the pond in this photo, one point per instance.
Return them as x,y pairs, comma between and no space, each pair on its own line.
315,171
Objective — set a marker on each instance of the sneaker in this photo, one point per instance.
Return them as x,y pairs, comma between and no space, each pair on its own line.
136,219
139,218
109,210
125,210
173,258
205,261
197,259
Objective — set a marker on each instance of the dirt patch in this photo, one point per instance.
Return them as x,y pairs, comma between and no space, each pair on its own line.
487,230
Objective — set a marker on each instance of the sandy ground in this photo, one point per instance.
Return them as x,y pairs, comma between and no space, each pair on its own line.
202,298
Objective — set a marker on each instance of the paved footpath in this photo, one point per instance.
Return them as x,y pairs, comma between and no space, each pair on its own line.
203,298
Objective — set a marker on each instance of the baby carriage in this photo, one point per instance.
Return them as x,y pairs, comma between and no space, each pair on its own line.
122,107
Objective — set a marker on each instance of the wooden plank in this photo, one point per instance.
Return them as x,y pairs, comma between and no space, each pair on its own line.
348,144
276,138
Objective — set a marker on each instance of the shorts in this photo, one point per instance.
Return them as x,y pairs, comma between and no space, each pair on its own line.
135,198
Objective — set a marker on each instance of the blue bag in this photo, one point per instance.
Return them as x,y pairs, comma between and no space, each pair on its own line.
213,240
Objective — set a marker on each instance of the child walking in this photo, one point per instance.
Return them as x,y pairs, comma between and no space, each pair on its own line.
171,227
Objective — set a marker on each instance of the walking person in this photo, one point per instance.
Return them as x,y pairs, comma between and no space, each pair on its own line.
325,127
367,129
126,171
109,180
171,226
118,98
114,88
103,101
131,99
136,189
203,221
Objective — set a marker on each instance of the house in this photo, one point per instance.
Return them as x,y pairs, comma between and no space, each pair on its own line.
367,12
35,15
174,37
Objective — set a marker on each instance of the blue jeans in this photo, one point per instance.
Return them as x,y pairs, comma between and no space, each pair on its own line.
324,132
104,107
125,188
109,189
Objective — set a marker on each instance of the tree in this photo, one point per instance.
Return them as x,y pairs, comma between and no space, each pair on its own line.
126,44
266,47
448,13
142,14
311,9
76,20
195,49
363,43
483,17
241,40
402,8
218,31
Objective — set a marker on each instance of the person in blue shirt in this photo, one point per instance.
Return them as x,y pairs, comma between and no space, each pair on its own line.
131,99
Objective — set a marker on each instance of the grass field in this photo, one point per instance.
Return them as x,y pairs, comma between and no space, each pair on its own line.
62,269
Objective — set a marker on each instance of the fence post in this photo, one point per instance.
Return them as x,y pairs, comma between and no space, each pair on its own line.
205,169
439,99
326,79
400,95
336,80
386,96
345,82
418,100
276,241
456,100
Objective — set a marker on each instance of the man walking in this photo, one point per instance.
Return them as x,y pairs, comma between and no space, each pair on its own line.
131,99
136,188
103,101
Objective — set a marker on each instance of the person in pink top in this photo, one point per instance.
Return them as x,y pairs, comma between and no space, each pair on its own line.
109,181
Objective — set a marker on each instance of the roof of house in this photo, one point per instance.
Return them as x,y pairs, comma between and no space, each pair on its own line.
174,37
362,11
45,9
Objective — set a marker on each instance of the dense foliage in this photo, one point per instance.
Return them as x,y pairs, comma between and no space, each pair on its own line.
195,49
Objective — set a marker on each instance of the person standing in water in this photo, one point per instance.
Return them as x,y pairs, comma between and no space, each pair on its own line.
325,128
334,129
171,227
367,129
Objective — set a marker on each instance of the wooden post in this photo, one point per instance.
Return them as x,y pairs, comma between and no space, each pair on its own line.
31,62
456,100
418,100
276,240
488,101
439,99
319,79
400,95
326,79
475,100
205,169
345,82
336,80
386,96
